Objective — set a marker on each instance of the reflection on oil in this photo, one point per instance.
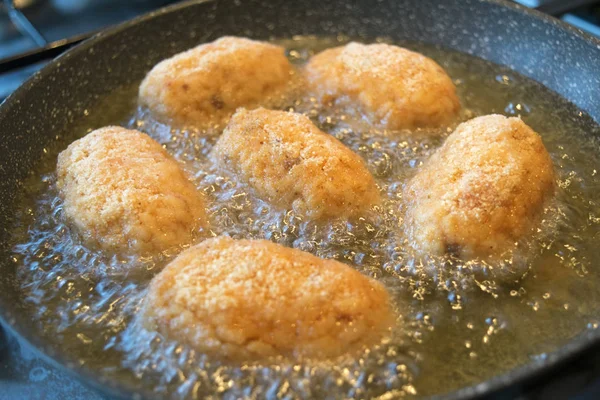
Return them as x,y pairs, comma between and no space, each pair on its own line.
457,328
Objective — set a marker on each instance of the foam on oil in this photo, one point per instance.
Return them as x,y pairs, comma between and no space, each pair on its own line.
460,324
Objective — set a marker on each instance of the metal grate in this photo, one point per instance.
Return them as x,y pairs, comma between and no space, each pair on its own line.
33,32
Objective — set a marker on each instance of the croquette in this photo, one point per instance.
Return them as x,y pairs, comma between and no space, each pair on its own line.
206,84
253,299
124,193
392,87
289,162
481,191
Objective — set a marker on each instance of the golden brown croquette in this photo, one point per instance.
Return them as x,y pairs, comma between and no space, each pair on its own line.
205,85
392,87
251,299
123,192
481,191
289,162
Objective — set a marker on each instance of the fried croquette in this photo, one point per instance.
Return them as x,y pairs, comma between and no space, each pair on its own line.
481,191
289,162
205,85
252,299
392,87
123,192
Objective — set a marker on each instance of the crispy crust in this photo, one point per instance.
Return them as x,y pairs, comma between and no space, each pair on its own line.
204,85
393,87
251,299
123,192
482,191
291,163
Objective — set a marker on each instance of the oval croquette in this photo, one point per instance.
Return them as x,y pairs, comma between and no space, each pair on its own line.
205,85
252,299
392,87
123,192
289,162
481,191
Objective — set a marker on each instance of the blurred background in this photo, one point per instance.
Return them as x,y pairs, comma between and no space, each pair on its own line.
34,31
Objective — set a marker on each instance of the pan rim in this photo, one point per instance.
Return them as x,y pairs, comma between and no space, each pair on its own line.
573,348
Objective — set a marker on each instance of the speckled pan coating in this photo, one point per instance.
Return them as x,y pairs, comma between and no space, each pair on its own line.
49,104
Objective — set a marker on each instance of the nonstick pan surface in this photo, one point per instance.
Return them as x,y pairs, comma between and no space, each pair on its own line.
54,100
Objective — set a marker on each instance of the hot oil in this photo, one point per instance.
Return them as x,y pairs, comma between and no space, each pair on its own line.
455,328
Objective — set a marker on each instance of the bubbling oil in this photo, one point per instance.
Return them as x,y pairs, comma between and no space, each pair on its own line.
458,323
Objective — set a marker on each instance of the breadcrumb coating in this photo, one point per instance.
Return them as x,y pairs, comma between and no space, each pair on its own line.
252,299
123,192
291,163
206,84
394,88
481,191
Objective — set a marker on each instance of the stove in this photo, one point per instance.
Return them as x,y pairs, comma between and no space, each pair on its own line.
32,32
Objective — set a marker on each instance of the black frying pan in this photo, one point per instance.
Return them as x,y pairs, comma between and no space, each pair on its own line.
53,101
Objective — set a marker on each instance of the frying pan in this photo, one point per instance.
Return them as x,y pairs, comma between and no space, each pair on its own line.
54,100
